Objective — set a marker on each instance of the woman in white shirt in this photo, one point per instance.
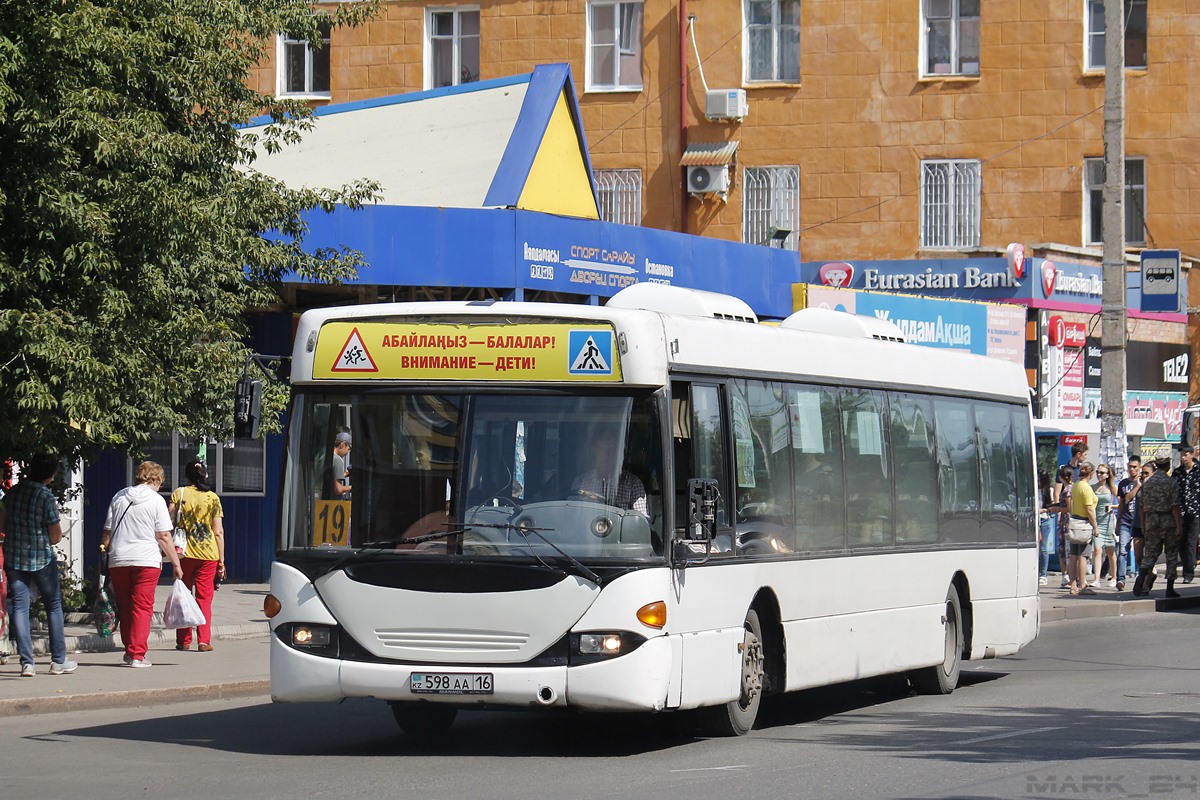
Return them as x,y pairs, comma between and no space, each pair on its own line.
137,534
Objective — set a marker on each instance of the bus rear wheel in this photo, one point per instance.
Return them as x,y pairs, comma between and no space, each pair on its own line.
943,678
736,718
424,719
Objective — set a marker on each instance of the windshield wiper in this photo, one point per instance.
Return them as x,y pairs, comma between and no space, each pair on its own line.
428,537
581,569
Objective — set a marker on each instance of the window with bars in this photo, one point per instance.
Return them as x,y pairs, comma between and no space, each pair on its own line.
950,204
620,194
1135,34
236,468
451,47
772,40
1135,201
770,206
951,40
303,70
614,54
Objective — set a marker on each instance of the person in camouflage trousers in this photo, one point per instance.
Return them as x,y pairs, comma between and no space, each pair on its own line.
1158,504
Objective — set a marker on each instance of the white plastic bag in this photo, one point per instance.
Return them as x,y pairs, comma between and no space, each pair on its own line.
182,611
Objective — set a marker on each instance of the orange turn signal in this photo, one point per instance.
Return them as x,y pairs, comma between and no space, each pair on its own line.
271,606
653,614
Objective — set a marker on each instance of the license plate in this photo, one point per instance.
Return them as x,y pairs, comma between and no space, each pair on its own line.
451,683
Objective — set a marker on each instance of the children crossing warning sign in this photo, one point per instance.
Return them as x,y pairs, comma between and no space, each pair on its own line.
591,352
454,351
354,356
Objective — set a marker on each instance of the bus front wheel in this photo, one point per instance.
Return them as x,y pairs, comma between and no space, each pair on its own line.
424,719
943,678
736,718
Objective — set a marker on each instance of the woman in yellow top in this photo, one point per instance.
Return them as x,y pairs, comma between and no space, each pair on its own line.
200,516
1082,530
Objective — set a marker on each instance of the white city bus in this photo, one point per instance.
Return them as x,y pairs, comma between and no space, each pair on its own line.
655,505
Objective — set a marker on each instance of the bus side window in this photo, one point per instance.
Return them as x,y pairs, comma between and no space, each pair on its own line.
818,466
697,424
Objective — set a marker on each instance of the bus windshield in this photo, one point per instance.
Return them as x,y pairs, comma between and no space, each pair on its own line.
479,475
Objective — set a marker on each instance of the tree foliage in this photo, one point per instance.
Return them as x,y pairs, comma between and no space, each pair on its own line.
134,232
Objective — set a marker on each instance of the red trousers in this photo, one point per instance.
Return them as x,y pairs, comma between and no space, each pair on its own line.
135,605
198,575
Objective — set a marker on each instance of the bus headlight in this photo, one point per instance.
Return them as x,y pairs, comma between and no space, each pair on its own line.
310,635
600,643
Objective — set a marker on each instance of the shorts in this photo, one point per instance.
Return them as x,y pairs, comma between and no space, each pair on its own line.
1136,533
1079,549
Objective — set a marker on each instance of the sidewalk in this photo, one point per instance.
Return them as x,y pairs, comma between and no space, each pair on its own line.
237,666
239,663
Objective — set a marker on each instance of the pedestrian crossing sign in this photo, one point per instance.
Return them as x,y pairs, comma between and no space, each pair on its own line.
590,352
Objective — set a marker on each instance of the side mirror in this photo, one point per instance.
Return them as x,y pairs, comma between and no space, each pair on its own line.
702,497
247,408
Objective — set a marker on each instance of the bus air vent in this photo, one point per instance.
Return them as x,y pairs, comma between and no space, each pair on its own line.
842,323
683,301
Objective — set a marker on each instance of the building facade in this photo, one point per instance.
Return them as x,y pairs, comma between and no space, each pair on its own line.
872,130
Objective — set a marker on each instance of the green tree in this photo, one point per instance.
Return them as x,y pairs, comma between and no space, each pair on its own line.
134,232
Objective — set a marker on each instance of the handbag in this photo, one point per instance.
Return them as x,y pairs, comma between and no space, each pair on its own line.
104,610
1079,531
179,535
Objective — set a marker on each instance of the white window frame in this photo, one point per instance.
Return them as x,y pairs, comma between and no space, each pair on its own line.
619,193
456,39
951,208
959,65
627,38
779,31
1094,30
282,43
771,199
216,457
1093,202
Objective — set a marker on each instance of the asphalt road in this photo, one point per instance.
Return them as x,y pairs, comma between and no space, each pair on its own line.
1095,708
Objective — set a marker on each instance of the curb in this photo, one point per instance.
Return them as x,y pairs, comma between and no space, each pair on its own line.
137,697
1074,609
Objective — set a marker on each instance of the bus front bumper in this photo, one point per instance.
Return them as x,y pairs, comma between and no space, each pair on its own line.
637,681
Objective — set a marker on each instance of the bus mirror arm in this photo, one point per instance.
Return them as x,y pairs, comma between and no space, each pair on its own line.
702,496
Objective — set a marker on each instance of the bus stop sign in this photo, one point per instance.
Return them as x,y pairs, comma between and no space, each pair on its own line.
1160,280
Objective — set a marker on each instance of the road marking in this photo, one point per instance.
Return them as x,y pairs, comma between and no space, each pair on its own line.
1011,734
728,768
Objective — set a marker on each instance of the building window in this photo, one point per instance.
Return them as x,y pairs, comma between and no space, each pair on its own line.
453,47
236,468
1135,34
950,204
772,40
614,61
303,70
1135,201
771,206
951,40
620,194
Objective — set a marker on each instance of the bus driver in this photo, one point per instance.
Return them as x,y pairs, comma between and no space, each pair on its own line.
598,485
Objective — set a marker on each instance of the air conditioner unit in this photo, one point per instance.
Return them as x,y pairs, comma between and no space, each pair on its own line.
726,104
708,180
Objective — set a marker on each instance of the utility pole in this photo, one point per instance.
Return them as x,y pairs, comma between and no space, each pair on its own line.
1112,309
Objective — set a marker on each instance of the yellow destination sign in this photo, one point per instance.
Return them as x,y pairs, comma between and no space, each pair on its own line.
448,352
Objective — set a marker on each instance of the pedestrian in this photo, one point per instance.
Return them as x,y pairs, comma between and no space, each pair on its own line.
29,525
1047,522
137,534
1083,529
1187,477
201,517
1161,523
1127,490
1061,499
1106,542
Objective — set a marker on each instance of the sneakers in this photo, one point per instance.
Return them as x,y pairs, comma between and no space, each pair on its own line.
140,663
27,671
1043,581
1094,584
128,659
1120,586
64,668
1065,582
204,647
1111,583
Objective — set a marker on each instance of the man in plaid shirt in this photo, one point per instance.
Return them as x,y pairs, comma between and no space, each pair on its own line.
602,484
29,522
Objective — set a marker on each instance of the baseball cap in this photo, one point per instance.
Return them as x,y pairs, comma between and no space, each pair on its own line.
343,438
